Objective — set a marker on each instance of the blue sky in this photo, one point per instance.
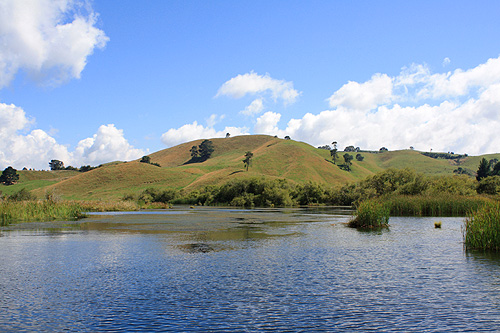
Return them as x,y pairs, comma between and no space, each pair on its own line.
92,82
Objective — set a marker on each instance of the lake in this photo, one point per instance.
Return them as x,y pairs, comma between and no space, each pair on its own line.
236,270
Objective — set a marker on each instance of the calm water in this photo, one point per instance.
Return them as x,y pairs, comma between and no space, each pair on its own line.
237,270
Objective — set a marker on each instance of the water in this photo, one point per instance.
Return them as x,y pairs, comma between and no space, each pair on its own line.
244,270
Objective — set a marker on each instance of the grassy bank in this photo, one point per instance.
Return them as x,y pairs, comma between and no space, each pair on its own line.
481,229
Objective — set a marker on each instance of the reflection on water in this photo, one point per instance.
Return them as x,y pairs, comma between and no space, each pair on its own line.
212,269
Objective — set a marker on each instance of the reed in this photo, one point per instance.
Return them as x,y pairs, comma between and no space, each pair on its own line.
23,211
370,214
108,206
481,229
434,205
48,210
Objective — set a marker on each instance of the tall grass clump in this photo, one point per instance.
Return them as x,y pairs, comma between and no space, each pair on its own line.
370,214
25,211
434,205
481,230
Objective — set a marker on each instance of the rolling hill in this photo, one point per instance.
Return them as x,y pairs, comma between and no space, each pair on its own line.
273,158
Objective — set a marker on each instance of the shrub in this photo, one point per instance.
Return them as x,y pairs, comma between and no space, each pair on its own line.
22,195
489,185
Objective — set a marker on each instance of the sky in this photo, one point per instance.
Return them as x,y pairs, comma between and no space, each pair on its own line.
90,82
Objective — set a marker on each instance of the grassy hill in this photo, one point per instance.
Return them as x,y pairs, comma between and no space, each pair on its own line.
273,158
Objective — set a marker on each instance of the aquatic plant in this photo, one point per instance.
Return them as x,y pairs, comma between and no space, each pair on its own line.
22,211
433,205
481,229
47,210
370,214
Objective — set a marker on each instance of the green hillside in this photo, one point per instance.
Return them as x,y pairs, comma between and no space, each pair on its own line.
273,158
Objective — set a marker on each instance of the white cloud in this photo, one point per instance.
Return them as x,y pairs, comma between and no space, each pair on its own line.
463,118
20,147
376,91
254,108
446,61
254,84
49,39
194,131
108,144
267,124
214,119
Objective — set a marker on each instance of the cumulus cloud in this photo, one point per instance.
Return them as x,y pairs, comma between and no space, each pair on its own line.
194,131
454,111
255,84
20,147
367,95
256,107
108,144
49,39
267,124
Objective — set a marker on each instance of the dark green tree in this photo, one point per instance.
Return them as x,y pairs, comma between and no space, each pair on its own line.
145,159
248,159
194,152
85,168
56,165
9,176
484,169
206,149
496,170
347,161
359,157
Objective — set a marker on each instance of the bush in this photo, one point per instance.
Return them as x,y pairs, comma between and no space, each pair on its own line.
489,185
22,195
155,195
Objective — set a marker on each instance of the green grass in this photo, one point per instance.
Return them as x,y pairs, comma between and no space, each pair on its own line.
24,211
46,210
481,230
274,158
370,214
438,205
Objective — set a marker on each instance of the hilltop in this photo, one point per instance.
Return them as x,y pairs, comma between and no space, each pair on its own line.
273,158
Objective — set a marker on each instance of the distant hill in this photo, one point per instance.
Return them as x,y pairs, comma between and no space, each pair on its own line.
273,158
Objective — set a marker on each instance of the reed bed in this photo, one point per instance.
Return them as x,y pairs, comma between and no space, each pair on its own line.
442,205
108,206
47,210
481,230
371,214
23,211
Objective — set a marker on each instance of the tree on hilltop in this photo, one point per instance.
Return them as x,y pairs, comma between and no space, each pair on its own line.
56,165
9,176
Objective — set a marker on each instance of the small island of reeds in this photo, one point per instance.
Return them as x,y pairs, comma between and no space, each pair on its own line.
481,229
